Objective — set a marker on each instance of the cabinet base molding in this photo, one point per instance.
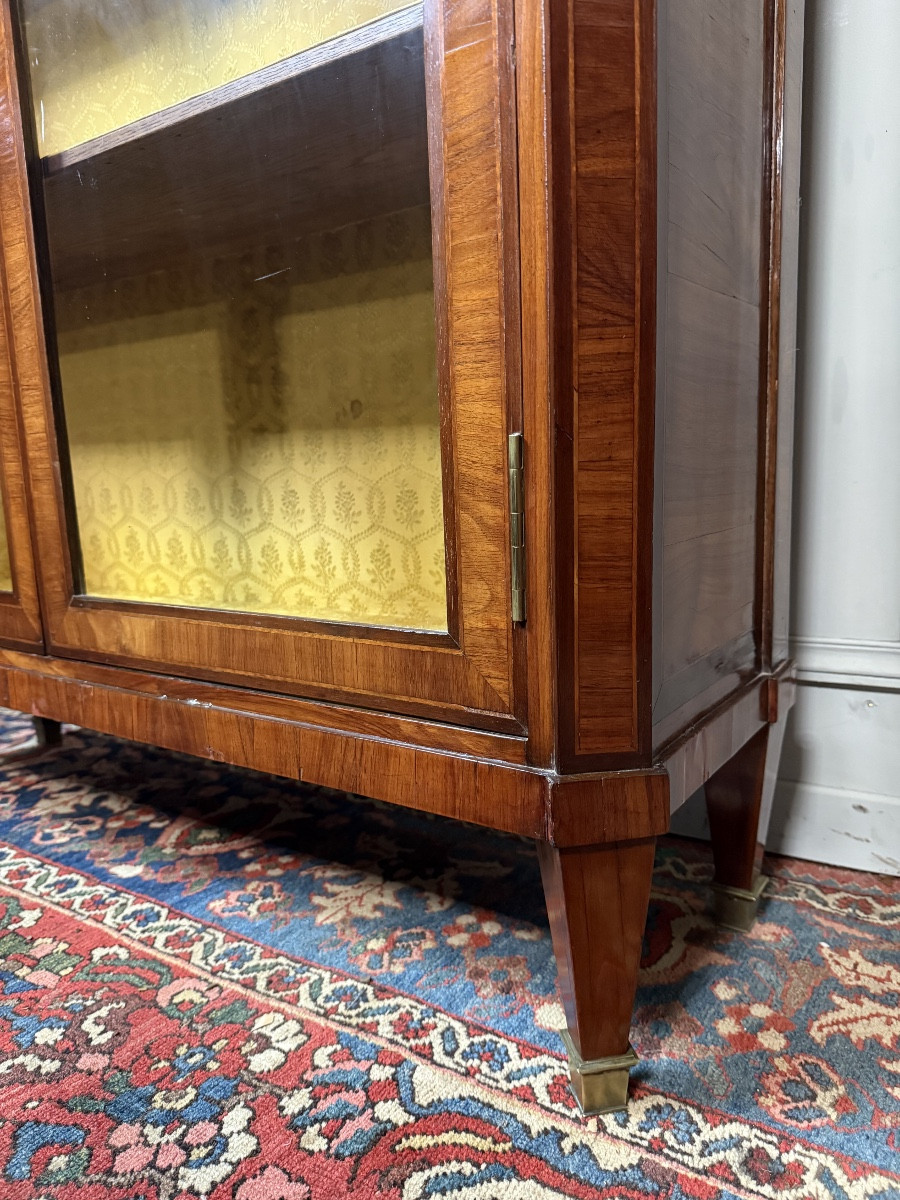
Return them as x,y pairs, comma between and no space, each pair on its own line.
600,1084
736,908
467,774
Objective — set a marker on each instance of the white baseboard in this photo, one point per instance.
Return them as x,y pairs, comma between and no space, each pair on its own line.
837,826
837,800
849,662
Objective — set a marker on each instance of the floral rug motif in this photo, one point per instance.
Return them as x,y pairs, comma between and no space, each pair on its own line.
220,984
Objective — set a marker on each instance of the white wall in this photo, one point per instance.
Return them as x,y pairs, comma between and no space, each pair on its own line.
839,794
838,797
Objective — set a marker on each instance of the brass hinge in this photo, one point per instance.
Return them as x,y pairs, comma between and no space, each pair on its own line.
517,525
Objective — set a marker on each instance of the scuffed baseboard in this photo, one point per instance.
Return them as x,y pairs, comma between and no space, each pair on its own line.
838,826
828,825
837,800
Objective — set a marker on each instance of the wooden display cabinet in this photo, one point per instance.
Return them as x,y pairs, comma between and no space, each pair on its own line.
402,403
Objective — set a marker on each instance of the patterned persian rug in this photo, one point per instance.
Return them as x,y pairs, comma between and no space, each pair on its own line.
219,984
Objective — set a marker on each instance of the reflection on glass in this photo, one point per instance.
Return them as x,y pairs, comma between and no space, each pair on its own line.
99,64
244,303
6,583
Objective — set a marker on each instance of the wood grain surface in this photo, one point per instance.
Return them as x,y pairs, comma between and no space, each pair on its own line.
536,247
616,806
20,614
601,254
450,772
597,901
715,738
360,722
491,793
712,168
739,803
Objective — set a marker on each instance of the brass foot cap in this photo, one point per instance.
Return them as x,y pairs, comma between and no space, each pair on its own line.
600,1084
736,908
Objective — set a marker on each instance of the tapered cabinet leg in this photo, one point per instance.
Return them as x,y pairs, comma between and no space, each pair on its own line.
597,899
47,734
739,802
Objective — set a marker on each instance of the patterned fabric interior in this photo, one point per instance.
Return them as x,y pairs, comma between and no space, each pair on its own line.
258,430
278,452
6,584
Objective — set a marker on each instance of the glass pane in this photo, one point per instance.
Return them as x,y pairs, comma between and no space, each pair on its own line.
6,583
243,296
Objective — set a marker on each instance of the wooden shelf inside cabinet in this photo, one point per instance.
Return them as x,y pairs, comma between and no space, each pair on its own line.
317,141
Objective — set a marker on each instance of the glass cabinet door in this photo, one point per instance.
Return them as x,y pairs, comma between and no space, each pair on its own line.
261,255
246,353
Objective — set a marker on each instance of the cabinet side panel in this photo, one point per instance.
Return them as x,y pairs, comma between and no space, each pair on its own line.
712,291
604,223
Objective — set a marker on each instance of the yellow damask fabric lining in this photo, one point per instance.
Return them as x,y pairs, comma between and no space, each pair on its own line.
99,64
6,583
261,431
277,451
